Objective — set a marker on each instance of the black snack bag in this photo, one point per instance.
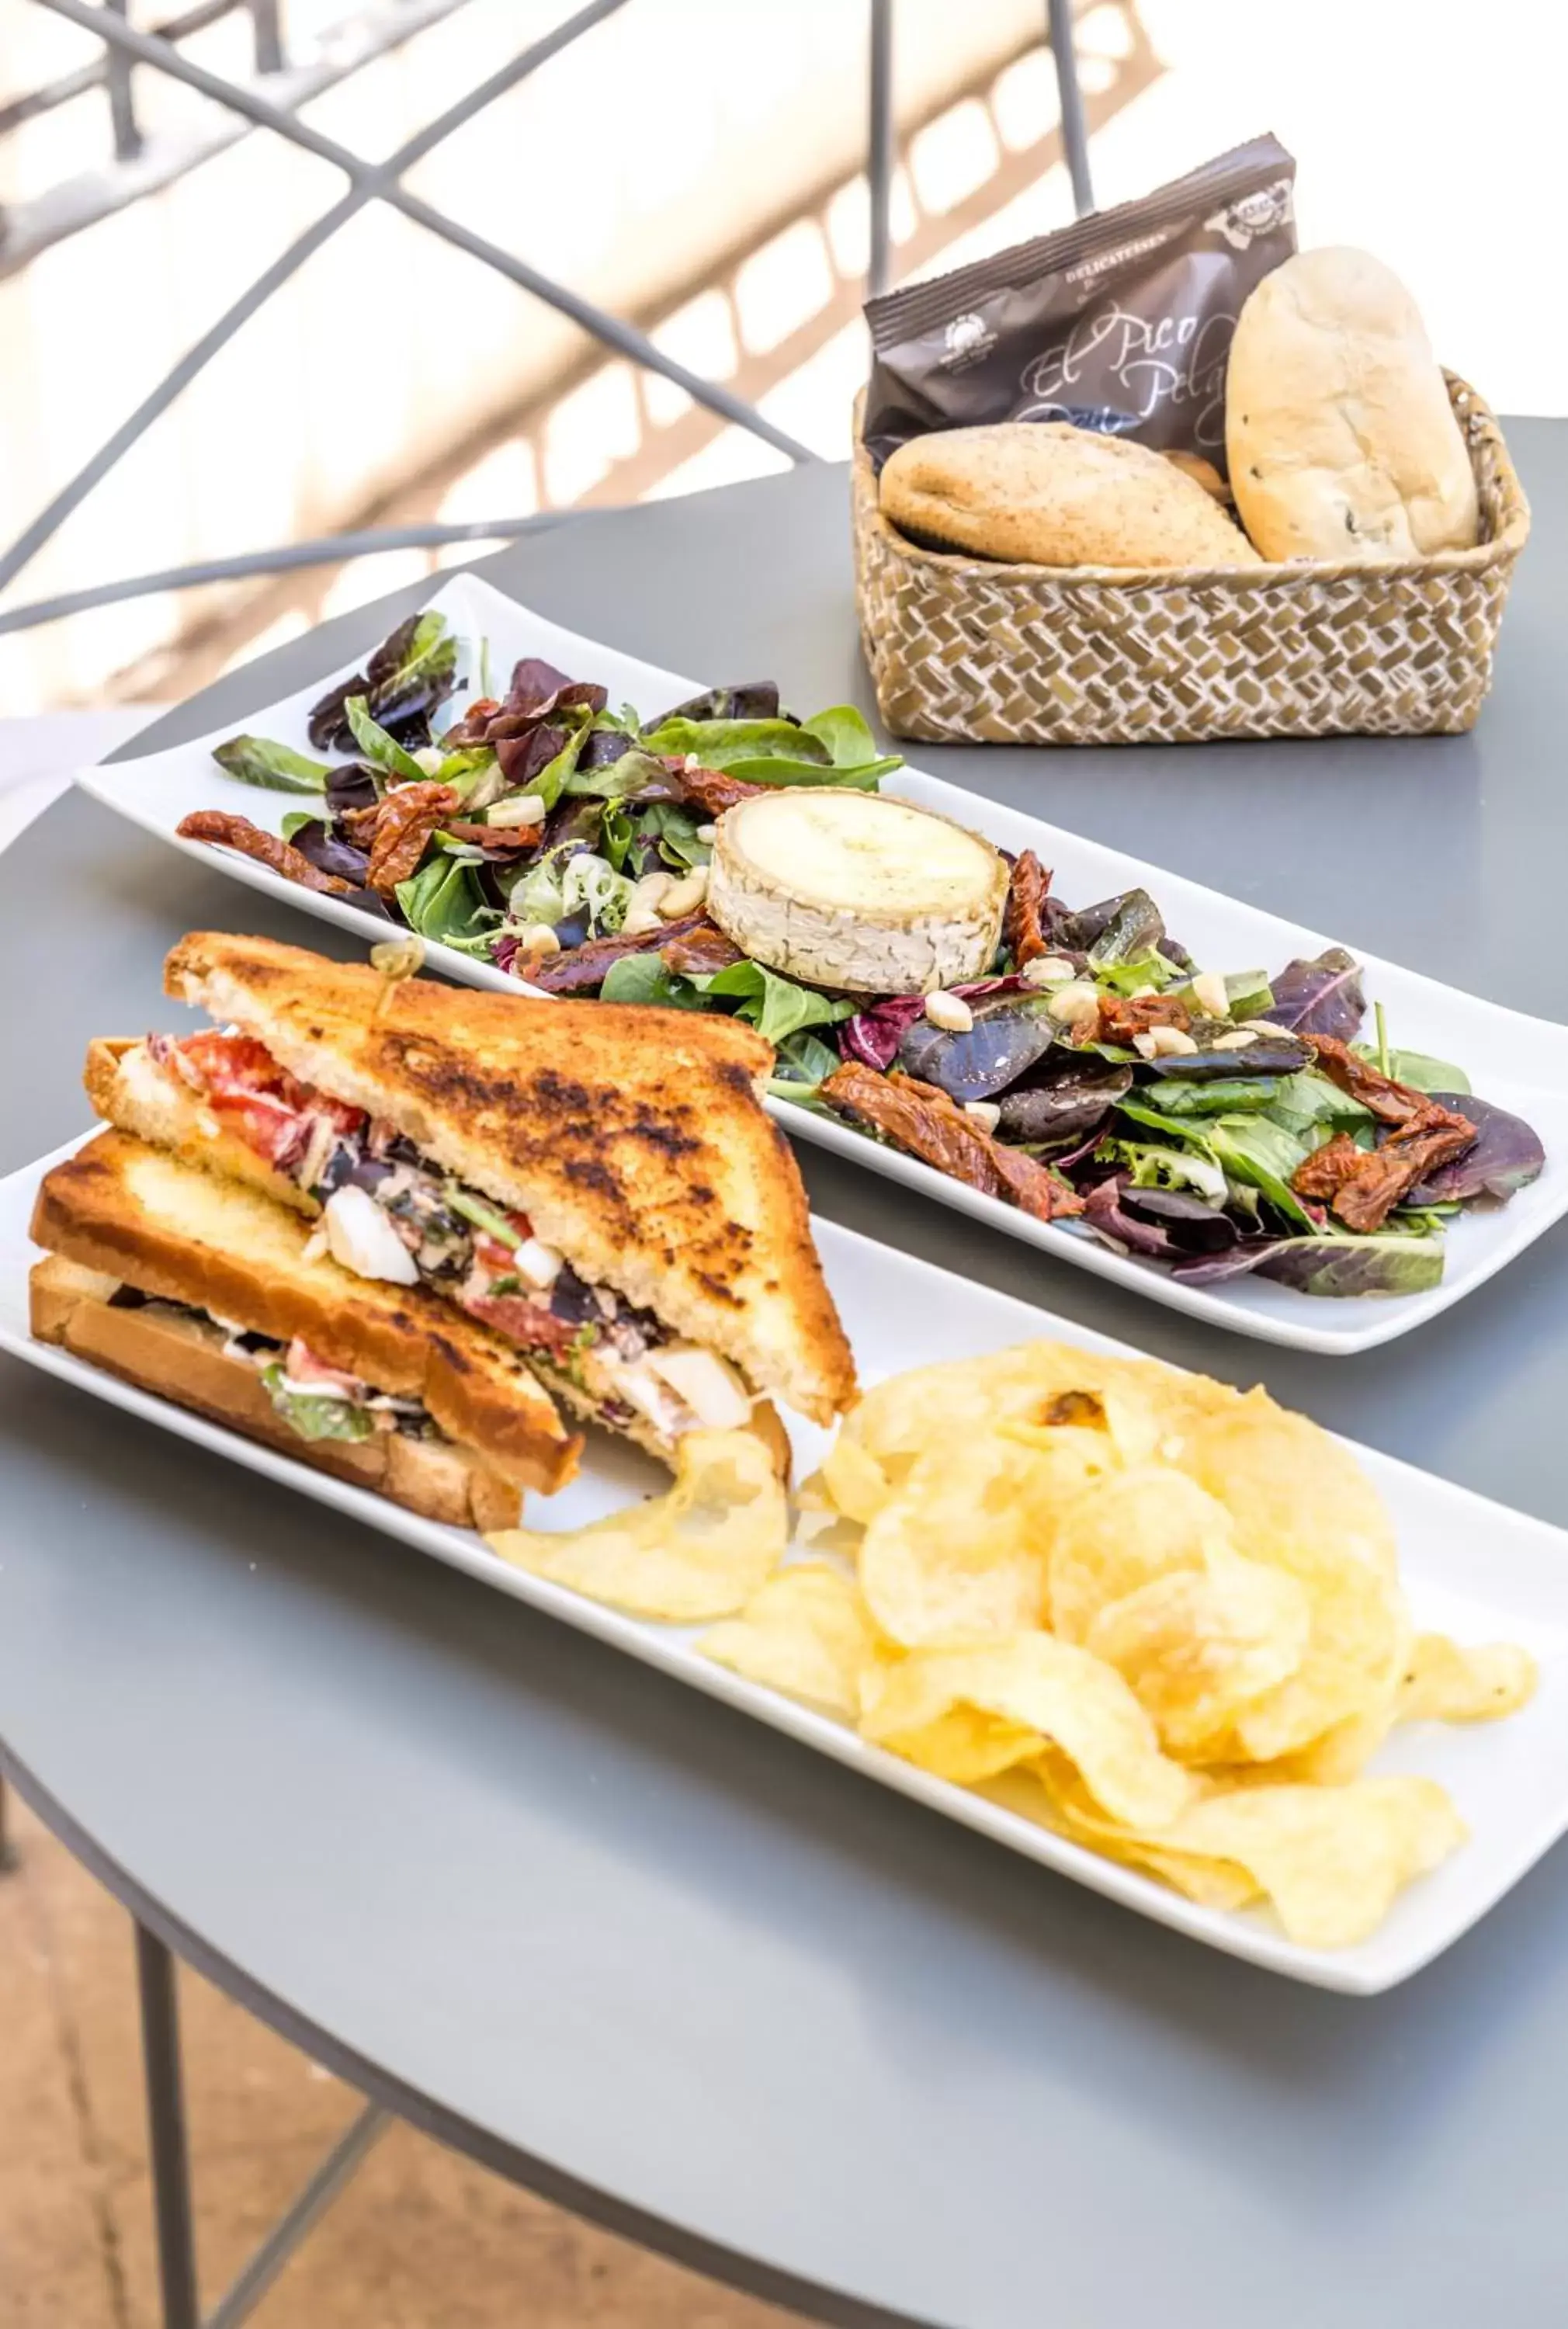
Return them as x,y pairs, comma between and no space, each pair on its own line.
1121,323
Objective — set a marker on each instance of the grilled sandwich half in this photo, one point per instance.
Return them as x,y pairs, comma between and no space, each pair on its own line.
598,1183
206,1291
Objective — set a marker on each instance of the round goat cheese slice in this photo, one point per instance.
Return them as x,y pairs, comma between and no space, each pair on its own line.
860,891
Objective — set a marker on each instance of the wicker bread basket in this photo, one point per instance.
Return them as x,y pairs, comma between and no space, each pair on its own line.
963,649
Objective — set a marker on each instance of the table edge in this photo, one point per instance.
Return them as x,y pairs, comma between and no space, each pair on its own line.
730,2267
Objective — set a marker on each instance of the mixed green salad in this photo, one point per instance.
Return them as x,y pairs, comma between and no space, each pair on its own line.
1212,1124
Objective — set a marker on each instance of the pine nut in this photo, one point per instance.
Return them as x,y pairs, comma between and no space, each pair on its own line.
950,1012
684,897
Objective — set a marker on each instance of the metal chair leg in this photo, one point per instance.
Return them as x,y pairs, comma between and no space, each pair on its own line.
8,1854
1075,133
166,2132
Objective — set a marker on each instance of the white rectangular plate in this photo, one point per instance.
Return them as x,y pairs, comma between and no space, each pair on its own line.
1472,1568
1519,1062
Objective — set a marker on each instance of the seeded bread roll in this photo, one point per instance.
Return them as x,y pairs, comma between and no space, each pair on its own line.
1342,441
1055,495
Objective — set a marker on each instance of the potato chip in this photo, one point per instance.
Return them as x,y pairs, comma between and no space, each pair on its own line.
700,1552
1046,1790
1199,1646
1058,1694
966,1747
957,1557
854,1480
905,1414
805,1632
1120,1533
1330,1860
1299,1503
1445,1682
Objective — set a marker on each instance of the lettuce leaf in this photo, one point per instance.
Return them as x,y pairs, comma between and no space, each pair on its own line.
443,903
315,1418
1338,1265
775,1005
643,979
382,751
257,761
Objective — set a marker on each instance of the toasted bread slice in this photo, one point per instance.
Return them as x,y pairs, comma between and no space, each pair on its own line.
178,1234
182,1358
129,1091
632,1138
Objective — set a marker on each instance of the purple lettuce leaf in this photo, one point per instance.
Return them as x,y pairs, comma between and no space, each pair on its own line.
1068,1097
874,1034
1506,1155
1320,997
1337,1266
755,699
1007,1037
1162,1224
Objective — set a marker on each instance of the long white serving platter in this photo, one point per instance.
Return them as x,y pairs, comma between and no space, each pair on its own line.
1517,1061
1471,1567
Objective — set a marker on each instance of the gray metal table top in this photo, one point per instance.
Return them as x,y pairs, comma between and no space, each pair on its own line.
661,1963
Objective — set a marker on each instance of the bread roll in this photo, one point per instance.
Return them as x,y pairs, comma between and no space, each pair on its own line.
1342,441
1057,496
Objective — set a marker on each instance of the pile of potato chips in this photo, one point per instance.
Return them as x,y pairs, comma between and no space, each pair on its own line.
1160,1616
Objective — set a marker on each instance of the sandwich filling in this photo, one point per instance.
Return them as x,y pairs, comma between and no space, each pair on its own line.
388,1212
316,1401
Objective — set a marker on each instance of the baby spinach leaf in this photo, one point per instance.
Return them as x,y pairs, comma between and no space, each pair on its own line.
804,1064
1265,1154
443,903
256,760
643,979
1422,1072
674,829
1235,1095
775,1005
725,743
382,751
843,733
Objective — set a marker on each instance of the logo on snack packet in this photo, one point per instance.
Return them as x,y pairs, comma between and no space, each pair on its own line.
1263,213
1155,364
967,340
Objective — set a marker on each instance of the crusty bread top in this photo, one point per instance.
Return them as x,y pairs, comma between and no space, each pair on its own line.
172,1230
1052,494
1343,444
632,1138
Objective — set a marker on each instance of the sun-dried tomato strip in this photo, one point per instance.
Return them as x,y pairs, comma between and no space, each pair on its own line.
407,818
918,1117
505,838
224,830
1122,1016
1321,1177
698,956
1022,924
1389,1101
1364,1185
581,970
711,790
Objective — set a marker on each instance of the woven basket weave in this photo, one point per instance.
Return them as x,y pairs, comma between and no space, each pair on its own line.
963,649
